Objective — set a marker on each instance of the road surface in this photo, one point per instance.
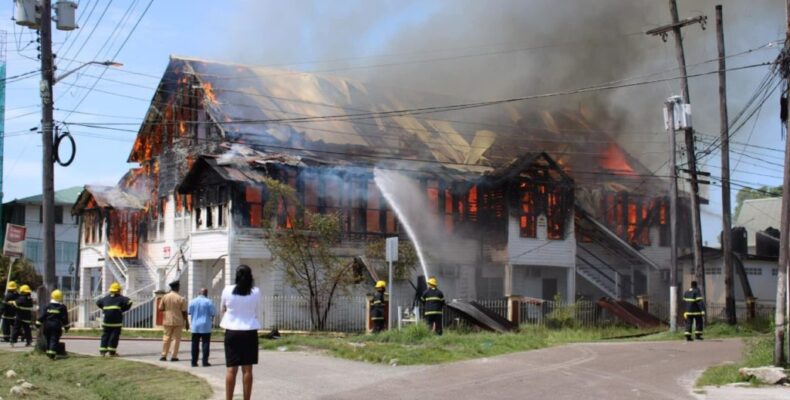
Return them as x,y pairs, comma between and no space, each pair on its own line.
613,371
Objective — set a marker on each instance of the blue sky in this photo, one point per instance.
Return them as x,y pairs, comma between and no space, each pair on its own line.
363,33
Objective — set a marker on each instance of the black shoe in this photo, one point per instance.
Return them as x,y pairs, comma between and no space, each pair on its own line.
174,359
689,339
194,365
206,364
163,358
700,338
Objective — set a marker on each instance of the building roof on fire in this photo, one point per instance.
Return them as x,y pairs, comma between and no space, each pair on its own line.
331,118
95,196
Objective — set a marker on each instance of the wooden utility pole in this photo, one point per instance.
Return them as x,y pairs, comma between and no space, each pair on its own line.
48,166
726,216
780,322
696,224
673,219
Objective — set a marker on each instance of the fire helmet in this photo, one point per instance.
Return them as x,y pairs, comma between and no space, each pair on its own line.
115,287
57,295
24,289
381,284
11,286
432,282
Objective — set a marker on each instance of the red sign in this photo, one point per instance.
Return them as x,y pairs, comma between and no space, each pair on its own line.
14,245
166,251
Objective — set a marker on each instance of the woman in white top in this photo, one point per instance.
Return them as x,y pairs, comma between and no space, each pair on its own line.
240,304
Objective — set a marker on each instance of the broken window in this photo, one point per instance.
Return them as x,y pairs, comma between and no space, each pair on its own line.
545,199
253,196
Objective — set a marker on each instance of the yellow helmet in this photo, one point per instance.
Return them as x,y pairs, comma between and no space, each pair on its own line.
115,287
432,282
57,295
11,286
381,284
24,289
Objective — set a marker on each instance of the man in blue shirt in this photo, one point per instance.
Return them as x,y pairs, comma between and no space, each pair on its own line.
202,312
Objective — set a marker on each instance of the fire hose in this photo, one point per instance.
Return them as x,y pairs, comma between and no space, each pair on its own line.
56,148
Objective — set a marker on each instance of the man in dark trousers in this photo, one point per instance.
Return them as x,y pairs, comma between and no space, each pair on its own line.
9,310
24,316
113,305
695,311
377,307
202,311
433,301
54,318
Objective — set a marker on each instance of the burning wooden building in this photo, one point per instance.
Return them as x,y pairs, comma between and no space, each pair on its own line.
518,202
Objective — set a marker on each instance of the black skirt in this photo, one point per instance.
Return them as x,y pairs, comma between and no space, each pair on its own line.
241,348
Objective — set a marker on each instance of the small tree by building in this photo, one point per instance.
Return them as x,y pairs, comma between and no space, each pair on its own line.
302,242
23,273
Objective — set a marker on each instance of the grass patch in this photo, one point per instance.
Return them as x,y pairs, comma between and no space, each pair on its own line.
417,345
721,330
84,377
759,352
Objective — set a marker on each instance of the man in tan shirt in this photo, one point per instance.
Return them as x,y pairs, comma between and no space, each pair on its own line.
175,316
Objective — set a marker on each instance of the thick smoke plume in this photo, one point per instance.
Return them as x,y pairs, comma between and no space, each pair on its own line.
470,50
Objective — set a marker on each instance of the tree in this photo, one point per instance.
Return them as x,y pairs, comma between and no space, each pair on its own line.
23,272
407,257
302,242
759,193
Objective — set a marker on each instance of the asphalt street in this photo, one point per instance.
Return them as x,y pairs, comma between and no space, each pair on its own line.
613,371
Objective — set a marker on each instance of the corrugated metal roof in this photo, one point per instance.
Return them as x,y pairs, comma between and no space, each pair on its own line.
62,197
108,197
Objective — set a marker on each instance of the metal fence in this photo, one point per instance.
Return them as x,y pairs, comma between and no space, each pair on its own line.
88,314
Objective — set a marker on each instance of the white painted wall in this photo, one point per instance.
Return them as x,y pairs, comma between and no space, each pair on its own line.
550,253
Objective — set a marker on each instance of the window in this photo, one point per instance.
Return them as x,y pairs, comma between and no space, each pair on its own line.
253,196
753,270
58,214
374,214
774,271
713,271
630,217
34,251
92,227
542,199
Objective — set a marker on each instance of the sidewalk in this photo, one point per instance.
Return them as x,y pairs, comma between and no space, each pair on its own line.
280,375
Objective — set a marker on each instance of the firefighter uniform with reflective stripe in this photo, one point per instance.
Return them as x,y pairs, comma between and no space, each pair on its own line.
24,317
433,300
54,318
695,311
377,311
9,313
113,305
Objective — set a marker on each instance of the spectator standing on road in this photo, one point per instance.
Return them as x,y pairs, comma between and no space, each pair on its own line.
240,304
174,306
202,312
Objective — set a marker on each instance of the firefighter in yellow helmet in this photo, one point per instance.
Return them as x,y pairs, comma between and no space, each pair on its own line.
24,316
113,305
433,303
377,307
8,310
53,319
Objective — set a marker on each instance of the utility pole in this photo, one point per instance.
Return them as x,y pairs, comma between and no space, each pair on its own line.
696,224
48,190
673,219
726,216
780,322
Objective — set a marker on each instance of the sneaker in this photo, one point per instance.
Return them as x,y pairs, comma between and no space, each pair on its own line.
163,358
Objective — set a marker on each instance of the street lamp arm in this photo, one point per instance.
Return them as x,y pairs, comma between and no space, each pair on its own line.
107,63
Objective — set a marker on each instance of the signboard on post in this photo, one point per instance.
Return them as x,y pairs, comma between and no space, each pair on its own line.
14,245
392,249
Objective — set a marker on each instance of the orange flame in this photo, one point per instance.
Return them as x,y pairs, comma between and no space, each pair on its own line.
209,90
614,160
182,128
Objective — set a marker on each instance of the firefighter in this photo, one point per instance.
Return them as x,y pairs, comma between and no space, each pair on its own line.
54,318
377,307
433,303
113,305
24,316
9,310
695,311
